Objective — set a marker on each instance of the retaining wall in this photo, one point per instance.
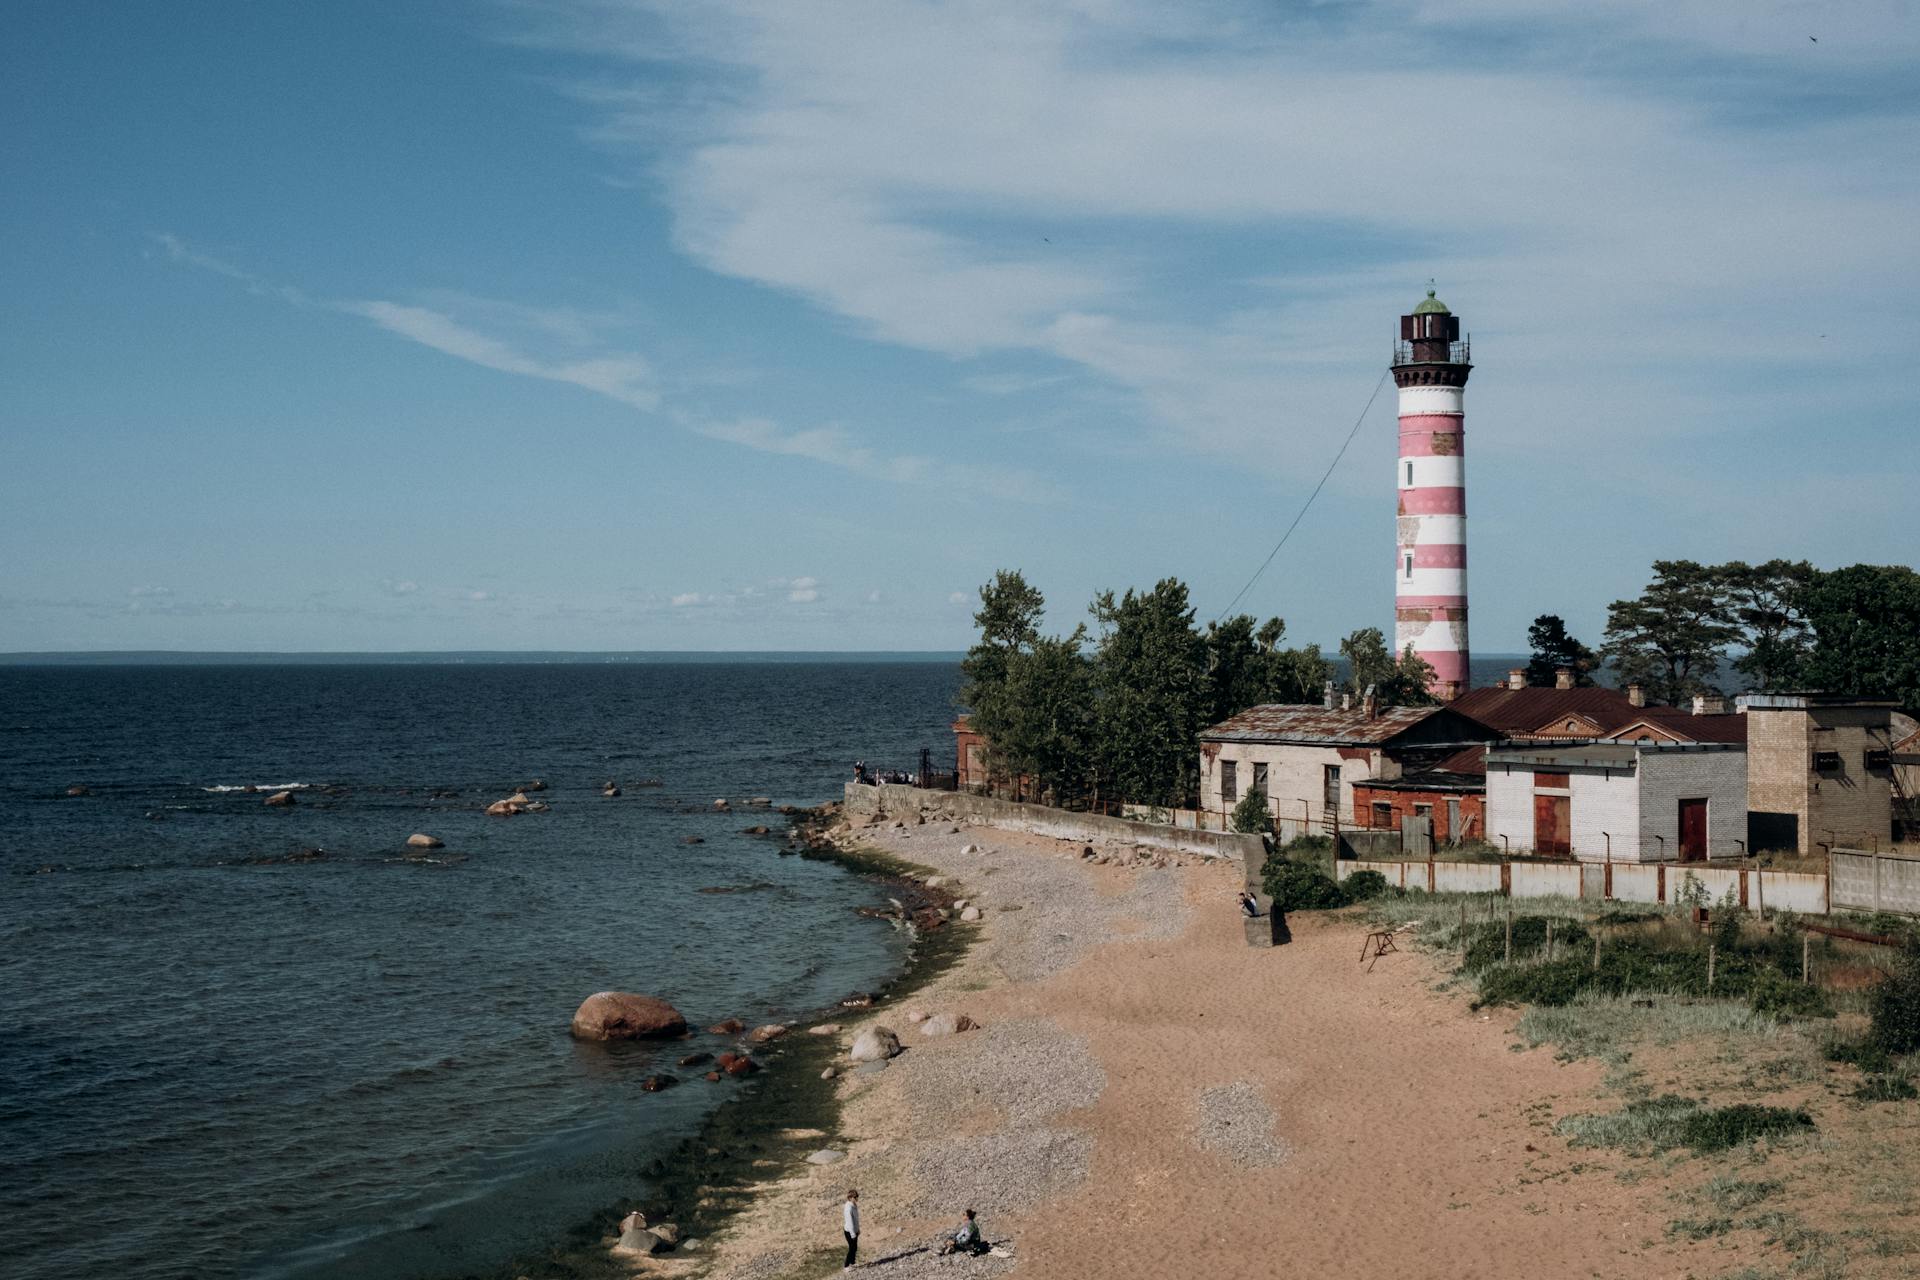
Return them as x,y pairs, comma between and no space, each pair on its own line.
1620,882
1866,881
1062,824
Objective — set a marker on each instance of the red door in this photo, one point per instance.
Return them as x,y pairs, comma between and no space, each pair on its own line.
1693,830
1552,824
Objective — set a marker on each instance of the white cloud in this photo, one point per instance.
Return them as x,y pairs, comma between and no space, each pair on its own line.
402,587
958,597
149,591
479,596
948,178
803,595
875,596
623,376
687,598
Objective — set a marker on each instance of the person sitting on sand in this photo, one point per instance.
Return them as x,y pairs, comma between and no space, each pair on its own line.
967,1239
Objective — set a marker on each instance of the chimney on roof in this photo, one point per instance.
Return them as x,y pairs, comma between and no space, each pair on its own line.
1346,700
1709,704
1326,696
1517,678
1637,694
1370,704
1563,677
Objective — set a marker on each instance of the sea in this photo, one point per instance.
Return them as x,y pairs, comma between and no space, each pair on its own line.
244,1040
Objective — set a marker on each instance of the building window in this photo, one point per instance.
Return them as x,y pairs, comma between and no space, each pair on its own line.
1826,761
1409,569
1260,778
1382,815
1409,475
1229,784
1878,761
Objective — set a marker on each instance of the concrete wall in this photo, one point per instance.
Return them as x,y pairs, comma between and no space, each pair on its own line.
1631,882
1865,881
1063,824
1294,774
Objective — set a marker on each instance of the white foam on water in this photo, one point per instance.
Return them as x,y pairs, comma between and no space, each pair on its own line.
262,786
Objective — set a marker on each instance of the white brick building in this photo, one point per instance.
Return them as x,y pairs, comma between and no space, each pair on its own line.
1624,802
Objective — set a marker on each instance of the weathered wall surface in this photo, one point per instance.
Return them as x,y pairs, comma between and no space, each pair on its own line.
1666,778
1630,882
1036,819
1296,777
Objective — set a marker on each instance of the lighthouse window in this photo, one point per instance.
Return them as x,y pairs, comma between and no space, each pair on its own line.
1409,473
1409,566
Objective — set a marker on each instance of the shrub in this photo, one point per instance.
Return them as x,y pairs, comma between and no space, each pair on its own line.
1552,984
1300,886
1304,846
1489,945
1724,1127
1726,922
1250,816
1778,996
1864,1054
1895,1009
1886,1089
1362,885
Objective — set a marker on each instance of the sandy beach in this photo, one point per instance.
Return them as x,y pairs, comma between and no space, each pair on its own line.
1147,1095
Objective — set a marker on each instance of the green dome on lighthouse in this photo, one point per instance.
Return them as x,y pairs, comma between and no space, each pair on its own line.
1432,306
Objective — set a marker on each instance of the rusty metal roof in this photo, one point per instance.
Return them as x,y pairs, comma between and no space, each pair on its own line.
1315,724
1526,710
1684,724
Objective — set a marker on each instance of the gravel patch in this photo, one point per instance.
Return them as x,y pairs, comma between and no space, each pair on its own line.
1030,1070
1236,1122
762,1266
995,1174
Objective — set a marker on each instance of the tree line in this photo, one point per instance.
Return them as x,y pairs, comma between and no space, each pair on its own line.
1115,709
1779,625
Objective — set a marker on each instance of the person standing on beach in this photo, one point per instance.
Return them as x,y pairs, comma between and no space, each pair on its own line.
850,1220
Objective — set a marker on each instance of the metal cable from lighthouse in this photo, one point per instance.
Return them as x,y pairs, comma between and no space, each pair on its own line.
1301,514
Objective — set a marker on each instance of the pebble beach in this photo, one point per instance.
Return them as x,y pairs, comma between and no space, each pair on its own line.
1146,1095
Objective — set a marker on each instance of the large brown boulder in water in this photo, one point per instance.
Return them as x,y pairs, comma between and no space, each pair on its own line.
621,1015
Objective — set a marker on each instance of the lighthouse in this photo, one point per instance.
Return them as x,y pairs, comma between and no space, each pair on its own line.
1430,366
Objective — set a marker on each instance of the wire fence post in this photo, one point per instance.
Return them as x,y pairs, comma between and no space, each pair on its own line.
1711,949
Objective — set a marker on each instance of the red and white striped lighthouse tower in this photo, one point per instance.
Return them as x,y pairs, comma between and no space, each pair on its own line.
1430,366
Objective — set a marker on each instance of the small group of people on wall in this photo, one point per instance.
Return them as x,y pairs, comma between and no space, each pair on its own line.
873,777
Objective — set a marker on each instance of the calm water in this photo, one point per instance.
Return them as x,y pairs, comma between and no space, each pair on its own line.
224,1054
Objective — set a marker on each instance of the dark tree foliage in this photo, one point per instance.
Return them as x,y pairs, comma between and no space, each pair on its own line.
1152,694
1009,622
1251,816
1247,667
1552,649
1866,632
1766,601
1674,636
1049,729
1396,682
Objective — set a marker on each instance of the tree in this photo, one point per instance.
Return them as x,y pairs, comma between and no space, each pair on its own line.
1552,649
1152,695
1049,719
1396,682
1865,621
1674,636
1251,816
1009,622
1247,667
1765,600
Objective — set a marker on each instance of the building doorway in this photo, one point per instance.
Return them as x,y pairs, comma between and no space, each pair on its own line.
1453,821
1693,830
1553,824
1330,795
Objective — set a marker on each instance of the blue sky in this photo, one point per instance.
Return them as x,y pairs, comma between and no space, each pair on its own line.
610,325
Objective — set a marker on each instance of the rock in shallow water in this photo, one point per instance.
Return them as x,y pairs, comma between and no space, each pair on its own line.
421,840
622,1015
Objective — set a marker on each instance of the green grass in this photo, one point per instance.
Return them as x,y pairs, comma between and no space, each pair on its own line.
1730,1194
1885,1089
1671,1121
1598,1025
